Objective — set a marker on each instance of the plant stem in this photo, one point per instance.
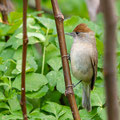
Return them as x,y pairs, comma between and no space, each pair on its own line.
67,77
43,61
44,48
4,15
38,6
110,18
24,55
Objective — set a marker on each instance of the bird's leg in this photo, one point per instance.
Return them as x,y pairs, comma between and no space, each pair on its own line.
68,56
76,84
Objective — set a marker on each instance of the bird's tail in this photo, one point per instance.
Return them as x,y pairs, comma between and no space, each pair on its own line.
86,103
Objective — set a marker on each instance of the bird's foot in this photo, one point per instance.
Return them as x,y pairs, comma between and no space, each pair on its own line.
68,56
69,90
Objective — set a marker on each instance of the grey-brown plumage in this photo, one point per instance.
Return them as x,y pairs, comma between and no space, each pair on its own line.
84,60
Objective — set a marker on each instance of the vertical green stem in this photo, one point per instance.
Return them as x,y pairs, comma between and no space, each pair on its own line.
44,48
43,61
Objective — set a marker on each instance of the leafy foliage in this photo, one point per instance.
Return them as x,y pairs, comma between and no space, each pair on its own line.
45,85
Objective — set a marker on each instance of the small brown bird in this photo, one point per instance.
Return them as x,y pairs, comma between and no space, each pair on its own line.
84,60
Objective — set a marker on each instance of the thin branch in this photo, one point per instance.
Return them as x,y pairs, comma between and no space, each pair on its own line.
38,6
4,12
110,59
24,54
61,37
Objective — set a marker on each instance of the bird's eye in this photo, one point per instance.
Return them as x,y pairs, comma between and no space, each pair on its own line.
77,33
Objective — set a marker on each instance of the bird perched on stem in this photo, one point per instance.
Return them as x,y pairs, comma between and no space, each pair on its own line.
84,60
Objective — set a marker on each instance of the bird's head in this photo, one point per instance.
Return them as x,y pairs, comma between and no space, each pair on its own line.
79,30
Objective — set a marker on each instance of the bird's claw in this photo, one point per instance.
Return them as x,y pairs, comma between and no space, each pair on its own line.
68,56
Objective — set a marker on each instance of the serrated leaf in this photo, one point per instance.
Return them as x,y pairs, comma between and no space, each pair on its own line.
34,81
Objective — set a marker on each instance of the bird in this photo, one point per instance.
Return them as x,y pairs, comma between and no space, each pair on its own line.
84,60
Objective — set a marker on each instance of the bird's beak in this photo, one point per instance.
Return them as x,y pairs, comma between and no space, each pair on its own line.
71,34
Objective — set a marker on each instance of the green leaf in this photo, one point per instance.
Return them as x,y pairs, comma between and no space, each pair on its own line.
34,82
32,34
102,113
71,23
87,115
7,53
38,94
60,82
56,109
37,114
51,76
14,103
4,105
48,23
4,28
2,97
18,53
55,63
97,96
31,65
67,115
51,52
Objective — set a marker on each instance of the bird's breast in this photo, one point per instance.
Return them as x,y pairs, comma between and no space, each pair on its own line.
80,61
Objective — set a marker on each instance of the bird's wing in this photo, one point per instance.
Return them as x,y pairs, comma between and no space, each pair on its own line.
94,61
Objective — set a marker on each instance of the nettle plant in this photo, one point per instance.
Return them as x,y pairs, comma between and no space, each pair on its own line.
45,86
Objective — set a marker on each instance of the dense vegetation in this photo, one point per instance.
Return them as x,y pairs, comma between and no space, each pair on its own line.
44,76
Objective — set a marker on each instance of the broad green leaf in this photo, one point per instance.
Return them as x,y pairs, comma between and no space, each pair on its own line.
4,28
7,53
32,34
87,115
12,117
37,114
60,82
51,76
51,52
31,65
55,63
102,113
67,115
18,53
1,46
14,103
97,96
54,108
4,105
38,94
72,22
2,97
48,23
34,82
10,65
